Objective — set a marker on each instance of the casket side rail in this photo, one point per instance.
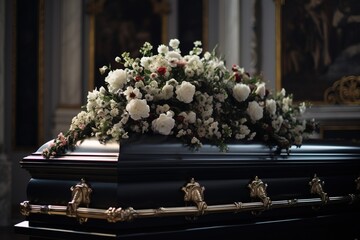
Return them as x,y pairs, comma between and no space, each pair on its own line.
195,206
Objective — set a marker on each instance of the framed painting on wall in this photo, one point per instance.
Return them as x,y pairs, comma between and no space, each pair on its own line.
122,26
318,43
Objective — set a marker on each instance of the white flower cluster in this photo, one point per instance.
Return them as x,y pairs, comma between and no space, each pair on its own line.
190,97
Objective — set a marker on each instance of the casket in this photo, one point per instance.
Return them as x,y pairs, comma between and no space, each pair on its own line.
154,187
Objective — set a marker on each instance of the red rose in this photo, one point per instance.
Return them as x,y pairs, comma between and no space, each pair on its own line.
161,70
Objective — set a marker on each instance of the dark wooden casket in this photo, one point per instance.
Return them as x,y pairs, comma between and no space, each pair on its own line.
156,188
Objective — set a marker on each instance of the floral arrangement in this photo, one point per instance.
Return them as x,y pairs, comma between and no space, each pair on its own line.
193,97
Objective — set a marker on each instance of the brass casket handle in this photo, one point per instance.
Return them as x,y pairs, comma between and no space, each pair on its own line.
80,196
317,187
258,190
195,193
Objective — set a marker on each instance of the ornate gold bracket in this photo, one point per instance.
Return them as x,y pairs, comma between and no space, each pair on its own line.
316,187
258,190
25,208
195,193
119,214
80,197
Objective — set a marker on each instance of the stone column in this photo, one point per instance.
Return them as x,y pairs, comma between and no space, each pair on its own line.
229,31
5,166
70,86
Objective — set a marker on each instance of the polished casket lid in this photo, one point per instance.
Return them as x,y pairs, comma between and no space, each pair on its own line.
154,152
156,147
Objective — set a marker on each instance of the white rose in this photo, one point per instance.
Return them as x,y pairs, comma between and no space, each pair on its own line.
139,84
244,130
260,90
103,70
162,49
92,95
173,55
163,124
116,80
271,106
138,109
207,55
188,117
168,91
241,92
174,43
145,62
286,104
283,92
276,124
154,84
185,92
254,111
102,90
191,117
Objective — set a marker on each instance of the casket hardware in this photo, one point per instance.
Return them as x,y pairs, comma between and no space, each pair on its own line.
193,189
239,206
357,181
120,215
25,208
316,187
195,193
80,197
258,190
